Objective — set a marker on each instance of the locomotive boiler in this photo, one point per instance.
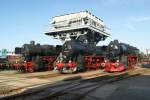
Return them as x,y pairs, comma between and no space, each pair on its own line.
75,48
115,50
38,57
33,50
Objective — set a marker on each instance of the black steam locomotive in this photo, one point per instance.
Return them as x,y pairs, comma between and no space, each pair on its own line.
76,55
79,56
73,49
38,57
122,52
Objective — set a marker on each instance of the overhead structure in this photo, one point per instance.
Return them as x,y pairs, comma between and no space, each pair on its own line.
3,53
82,26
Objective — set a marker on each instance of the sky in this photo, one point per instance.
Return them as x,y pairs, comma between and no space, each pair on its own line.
24,20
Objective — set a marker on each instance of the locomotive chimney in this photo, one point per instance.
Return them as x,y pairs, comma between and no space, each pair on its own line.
116,41
32,42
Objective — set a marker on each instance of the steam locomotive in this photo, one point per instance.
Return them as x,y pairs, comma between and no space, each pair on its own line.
78,56
120,56
37,57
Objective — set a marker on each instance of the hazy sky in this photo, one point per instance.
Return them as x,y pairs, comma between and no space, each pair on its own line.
25,20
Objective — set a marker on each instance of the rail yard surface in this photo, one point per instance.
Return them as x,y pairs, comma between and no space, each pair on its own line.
91,85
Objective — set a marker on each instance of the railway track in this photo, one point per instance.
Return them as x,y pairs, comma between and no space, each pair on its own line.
8,90
72,88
